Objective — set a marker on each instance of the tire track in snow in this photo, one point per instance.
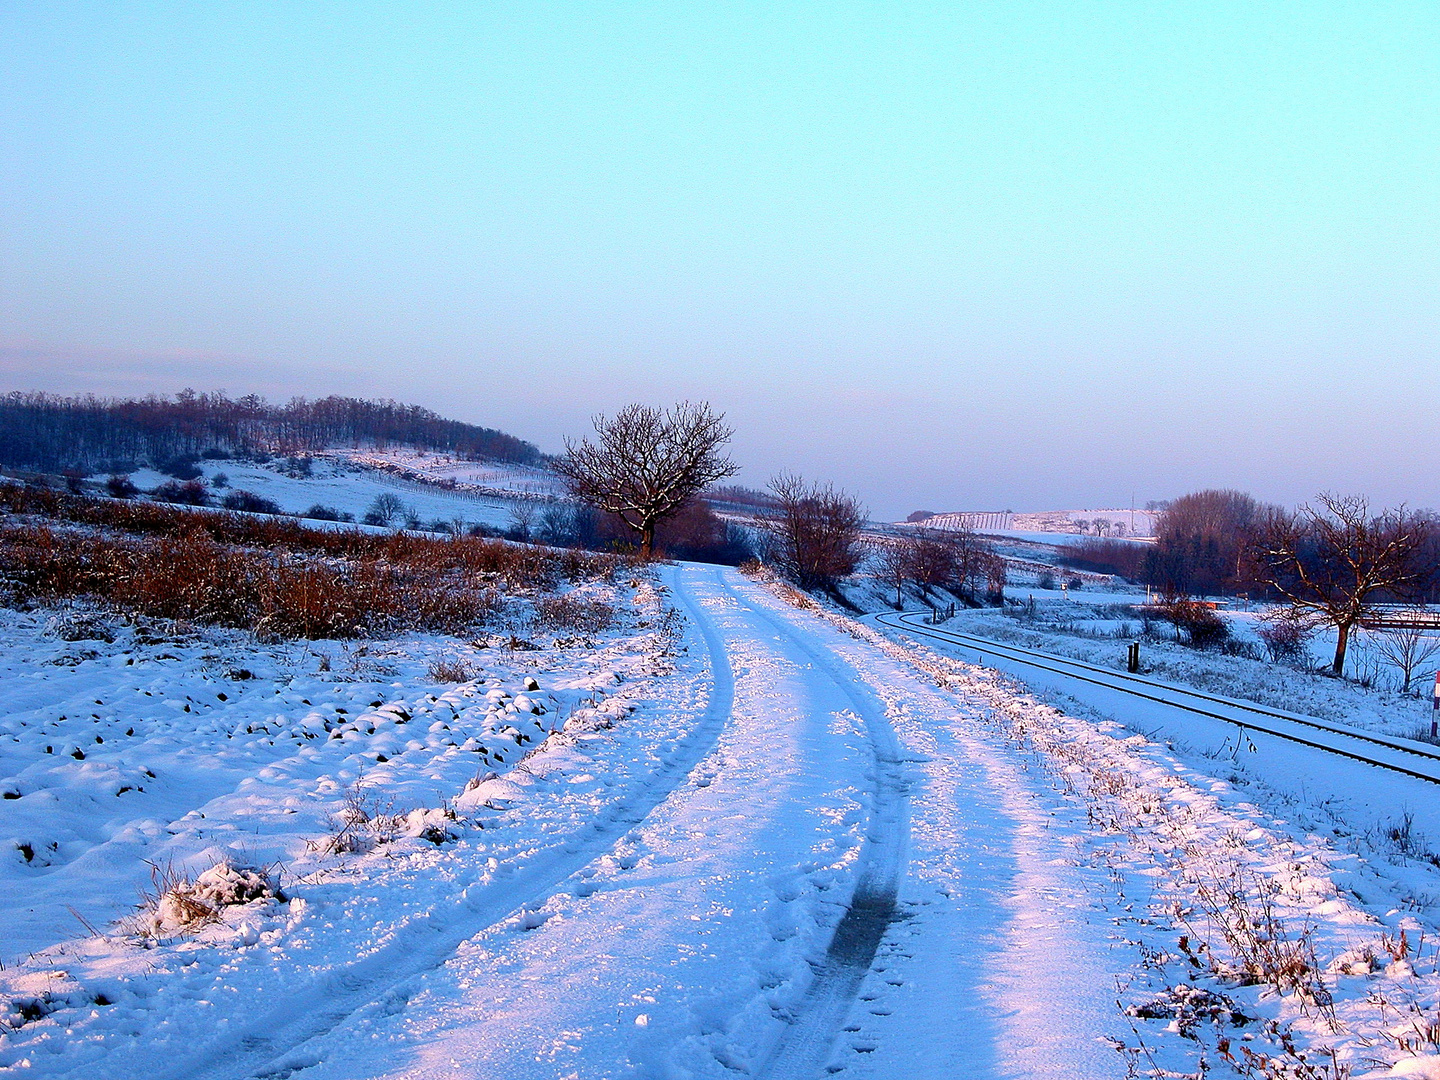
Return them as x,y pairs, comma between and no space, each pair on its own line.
274,1044
803,1047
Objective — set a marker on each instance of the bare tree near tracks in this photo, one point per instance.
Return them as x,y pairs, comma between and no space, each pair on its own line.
647,463
1336,559
1407,649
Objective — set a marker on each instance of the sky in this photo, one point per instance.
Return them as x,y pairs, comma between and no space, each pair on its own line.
949,256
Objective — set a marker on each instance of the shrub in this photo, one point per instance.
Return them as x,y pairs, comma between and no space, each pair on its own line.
455,671
249,502
384,509
1199,623
188,493
120,486
1286,636
568,612
321,512
182,468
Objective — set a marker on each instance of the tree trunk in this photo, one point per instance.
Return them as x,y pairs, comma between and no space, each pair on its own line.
647,540
1342,639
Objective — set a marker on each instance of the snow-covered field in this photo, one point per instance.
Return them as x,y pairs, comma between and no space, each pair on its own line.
350,489
499,475
1046,526
1058,539
745,838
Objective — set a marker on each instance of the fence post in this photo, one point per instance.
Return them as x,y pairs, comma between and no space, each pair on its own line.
1435,707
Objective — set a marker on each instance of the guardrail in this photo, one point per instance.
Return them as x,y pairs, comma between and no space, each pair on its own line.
1400,619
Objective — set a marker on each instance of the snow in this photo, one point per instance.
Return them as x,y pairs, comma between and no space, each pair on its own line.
351,489
1057,539
497,475
750,838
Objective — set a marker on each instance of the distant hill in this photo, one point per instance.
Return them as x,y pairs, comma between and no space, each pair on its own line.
50,433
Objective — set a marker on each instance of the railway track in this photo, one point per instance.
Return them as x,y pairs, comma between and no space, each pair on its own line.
1406,756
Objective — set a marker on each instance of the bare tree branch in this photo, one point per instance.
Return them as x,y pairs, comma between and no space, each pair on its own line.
647,463
1336,559
815,540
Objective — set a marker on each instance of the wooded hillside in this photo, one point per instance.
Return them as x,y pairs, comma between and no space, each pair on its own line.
92,434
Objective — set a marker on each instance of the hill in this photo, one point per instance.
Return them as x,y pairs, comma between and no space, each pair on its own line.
92,434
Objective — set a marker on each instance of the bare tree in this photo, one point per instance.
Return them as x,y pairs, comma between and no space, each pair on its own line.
385,508
938,560
1201,540
996,575
1336,558
522,520
893,567
1407,648
815,540
648,463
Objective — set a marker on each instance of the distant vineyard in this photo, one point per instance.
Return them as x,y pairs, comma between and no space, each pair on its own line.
91,434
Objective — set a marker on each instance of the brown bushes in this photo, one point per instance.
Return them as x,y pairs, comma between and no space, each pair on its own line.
271,576
574,613
515,566
282,593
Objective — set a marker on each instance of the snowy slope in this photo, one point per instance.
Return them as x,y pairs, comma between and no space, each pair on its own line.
349,489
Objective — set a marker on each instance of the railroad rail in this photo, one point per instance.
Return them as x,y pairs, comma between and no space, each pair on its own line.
1406,756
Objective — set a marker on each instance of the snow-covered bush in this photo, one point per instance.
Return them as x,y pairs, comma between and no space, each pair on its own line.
364,823
176,904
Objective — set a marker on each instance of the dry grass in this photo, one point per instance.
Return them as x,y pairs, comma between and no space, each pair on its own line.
451,671
175,904
516,566
272,577
575,613
1242,907
364,823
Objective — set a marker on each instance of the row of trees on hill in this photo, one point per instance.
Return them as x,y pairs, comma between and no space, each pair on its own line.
89,434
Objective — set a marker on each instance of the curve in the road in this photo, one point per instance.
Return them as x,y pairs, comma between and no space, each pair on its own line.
273,1044
1326,737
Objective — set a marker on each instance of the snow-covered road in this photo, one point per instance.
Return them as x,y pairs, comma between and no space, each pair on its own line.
812,860
851,879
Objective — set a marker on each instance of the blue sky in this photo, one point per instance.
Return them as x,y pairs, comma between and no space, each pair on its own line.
950,256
